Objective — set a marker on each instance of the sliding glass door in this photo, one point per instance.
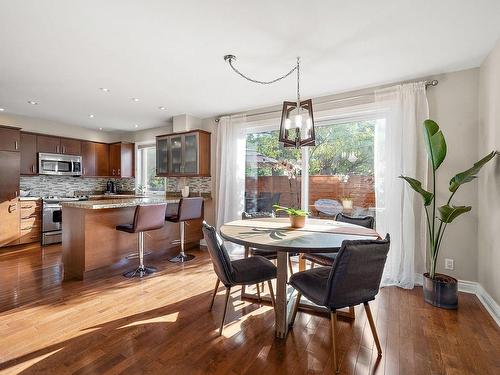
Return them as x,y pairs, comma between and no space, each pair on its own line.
336,175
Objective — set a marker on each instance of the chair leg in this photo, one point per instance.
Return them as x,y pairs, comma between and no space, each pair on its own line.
271,291
373,328
228,293
352,313
333,319
295,308
290,265
213,296
258,291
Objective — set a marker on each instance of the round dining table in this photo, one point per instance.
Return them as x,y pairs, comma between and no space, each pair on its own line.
318,235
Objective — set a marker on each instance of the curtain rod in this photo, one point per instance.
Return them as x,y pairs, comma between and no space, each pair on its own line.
432,83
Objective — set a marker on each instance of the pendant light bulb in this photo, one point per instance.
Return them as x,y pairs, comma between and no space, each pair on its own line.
298,121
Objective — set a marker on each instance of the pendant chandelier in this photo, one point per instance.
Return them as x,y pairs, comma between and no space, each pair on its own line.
297,120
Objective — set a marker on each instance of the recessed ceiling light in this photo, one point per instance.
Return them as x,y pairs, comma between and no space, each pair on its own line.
32,102
2,109
162,108
136,126
104,89
135,99
100,128
91,116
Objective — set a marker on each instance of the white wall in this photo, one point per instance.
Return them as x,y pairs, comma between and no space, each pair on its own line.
37,125
453,104
488,243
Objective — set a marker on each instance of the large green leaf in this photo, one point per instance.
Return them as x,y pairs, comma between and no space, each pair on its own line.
435,143
449,213
417,186
471,173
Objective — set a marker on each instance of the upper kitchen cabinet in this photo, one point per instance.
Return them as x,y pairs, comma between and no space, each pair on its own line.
71,146
183,154
50,144
88,159
28,154
121,159
9,138
95,158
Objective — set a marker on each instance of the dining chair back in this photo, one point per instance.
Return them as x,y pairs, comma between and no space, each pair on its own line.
356,273
218,254
366,221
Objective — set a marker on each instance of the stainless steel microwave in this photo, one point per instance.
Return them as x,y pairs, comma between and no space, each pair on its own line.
60,165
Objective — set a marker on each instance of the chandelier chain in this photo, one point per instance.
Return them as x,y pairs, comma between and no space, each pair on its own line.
295,68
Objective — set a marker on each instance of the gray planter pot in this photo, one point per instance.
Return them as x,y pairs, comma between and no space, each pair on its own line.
442,291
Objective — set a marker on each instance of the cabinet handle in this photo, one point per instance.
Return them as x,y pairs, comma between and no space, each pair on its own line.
15,145
84,172
57,149
33,168
113,172
64,149
119,172
27,228
26,207
12,207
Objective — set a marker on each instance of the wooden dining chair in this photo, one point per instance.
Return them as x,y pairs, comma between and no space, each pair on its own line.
353,279
247,271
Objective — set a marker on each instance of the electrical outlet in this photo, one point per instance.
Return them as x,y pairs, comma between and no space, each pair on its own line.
449,264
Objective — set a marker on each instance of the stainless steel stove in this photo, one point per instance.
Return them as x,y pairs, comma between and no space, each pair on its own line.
52,217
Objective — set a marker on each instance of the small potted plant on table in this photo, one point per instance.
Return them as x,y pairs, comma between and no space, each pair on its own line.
297,217
441,290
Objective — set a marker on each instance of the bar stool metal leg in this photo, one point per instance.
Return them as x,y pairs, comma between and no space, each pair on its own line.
142,270
182,256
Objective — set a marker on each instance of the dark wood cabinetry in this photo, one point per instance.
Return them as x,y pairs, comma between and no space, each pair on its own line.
10,168
28,154
183,154
121,159
88,159
9,138
102,159
71,146
48,144
57,145
95,158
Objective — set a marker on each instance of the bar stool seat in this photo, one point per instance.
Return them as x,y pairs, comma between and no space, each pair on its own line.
146,218
187,209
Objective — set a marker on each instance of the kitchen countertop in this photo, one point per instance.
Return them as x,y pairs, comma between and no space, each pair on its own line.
117,203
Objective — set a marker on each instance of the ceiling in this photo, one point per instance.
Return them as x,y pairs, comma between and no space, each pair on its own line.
170,53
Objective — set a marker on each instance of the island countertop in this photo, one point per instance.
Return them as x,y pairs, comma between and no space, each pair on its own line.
117,202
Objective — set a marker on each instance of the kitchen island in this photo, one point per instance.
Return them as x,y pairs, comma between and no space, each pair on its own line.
90,240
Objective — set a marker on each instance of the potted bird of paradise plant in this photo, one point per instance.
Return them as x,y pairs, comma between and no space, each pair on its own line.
439,289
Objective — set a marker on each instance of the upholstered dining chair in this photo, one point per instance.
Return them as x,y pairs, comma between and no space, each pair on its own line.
326,259
247,271
268,254
353,279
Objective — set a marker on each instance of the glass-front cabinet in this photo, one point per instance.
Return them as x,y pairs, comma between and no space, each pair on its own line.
183,154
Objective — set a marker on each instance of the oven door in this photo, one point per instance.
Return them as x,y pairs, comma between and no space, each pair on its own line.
52,217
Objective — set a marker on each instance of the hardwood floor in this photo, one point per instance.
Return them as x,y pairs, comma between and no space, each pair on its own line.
161,325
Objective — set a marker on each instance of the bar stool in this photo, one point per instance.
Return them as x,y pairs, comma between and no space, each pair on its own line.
188,209
146,218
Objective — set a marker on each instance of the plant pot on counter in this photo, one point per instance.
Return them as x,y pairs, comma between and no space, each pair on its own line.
442,291
297,221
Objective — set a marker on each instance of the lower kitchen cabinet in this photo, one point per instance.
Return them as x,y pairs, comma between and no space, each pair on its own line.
9,217
30,221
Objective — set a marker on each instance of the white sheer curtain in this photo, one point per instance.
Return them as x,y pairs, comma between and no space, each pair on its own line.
230,171
399,150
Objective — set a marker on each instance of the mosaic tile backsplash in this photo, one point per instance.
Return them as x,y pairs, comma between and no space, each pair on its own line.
196,184
40,186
